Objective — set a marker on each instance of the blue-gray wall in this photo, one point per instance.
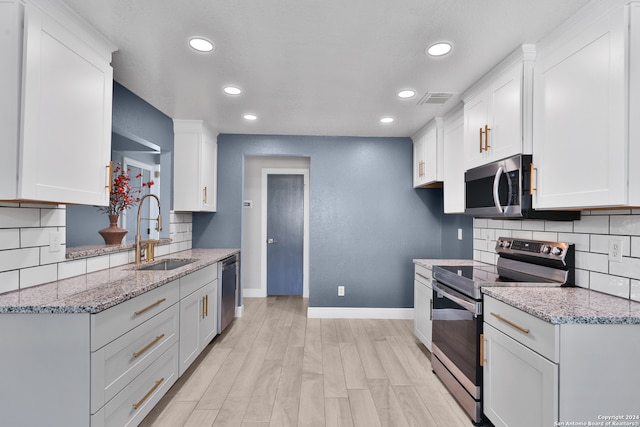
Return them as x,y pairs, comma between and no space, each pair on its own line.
367,223
130,113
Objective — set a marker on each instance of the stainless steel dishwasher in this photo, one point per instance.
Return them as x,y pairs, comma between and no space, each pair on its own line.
228,272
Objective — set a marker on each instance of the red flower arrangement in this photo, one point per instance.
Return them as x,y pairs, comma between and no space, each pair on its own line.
122,196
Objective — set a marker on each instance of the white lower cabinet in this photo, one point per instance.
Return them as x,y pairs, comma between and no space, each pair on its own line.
540,374
109,368
198,314
423,305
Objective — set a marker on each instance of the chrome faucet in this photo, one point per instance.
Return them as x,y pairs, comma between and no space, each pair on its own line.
151,243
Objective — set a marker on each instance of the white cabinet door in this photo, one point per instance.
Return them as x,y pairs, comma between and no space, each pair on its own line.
453,173
195,167
66,139
520,386
428,154
423,303
65,130
209,328
580,146
493,120
191,312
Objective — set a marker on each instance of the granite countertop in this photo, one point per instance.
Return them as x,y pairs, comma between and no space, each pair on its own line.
95,292
429,263
568,304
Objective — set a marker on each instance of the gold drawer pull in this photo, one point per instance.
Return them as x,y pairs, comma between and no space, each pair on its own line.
206,305
510,323
109,176
148,346
532,186
146,396
139,312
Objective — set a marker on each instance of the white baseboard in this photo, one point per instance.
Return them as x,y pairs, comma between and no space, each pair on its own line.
359,313
253,293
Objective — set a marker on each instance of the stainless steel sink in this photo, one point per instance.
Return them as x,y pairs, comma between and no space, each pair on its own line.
167,264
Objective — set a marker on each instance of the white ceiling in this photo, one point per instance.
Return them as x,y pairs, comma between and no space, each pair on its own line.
312,67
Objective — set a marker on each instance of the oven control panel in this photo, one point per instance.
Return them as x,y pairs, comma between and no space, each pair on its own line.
538,248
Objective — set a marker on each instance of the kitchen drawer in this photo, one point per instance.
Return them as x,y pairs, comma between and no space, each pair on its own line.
120,319
194,281
423,274
540,336
116,364
144,392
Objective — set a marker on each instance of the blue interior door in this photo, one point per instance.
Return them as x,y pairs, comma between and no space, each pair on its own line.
285,234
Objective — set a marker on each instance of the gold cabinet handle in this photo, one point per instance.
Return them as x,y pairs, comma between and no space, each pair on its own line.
148,346
421,168
139,312
486,137
202,301
481,132
532,186
206,304
146,396
481,349
109,173
204,195
510,323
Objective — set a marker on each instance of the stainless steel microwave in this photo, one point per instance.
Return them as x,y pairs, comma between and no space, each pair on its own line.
503,190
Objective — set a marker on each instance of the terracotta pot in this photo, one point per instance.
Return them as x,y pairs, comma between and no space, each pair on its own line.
113,235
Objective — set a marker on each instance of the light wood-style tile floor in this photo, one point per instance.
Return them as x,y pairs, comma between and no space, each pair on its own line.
275,367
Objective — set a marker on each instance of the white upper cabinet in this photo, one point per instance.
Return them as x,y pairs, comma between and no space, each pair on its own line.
195,167
497,111
56,118
587,103
453,176
428,154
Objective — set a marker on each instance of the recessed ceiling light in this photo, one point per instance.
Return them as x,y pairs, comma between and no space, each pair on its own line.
406,93
386,120
250,117
200,44
232,90
438,49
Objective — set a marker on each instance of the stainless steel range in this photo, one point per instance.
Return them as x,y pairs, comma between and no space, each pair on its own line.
457,308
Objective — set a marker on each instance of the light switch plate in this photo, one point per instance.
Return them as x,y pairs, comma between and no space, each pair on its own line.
340,291
459,233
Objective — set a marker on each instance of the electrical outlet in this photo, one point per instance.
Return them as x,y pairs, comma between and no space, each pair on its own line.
341,291
459,233
615,250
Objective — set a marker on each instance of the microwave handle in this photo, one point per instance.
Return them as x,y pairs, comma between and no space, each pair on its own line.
496,186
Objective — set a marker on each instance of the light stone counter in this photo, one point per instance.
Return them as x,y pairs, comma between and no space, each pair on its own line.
95,292
568,305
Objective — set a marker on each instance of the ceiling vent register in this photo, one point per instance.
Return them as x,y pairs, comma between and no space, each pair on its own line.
438,98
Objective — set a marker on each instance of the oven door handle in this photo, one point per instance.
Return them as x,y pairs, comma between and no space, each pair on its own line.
468,304
496,188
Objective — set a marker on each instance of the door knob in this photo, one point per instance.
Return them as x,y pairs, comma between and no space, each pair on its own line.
271,241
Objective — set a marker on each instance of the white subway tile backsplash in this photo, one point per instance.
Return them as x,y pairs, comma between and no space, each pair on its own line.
118,258
591,236
32,237
629,267
19,258
635,290
626,224
9,281
592,262
545,235
49,257
495,223
600,243
512,225
53,217
529,224
9,238
592,224
558,226
614,285
97,263
38,275
581,241
19,217
72,268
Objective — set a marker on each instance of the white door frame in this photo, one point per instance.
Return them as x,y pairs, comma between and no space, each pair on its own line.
263,228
